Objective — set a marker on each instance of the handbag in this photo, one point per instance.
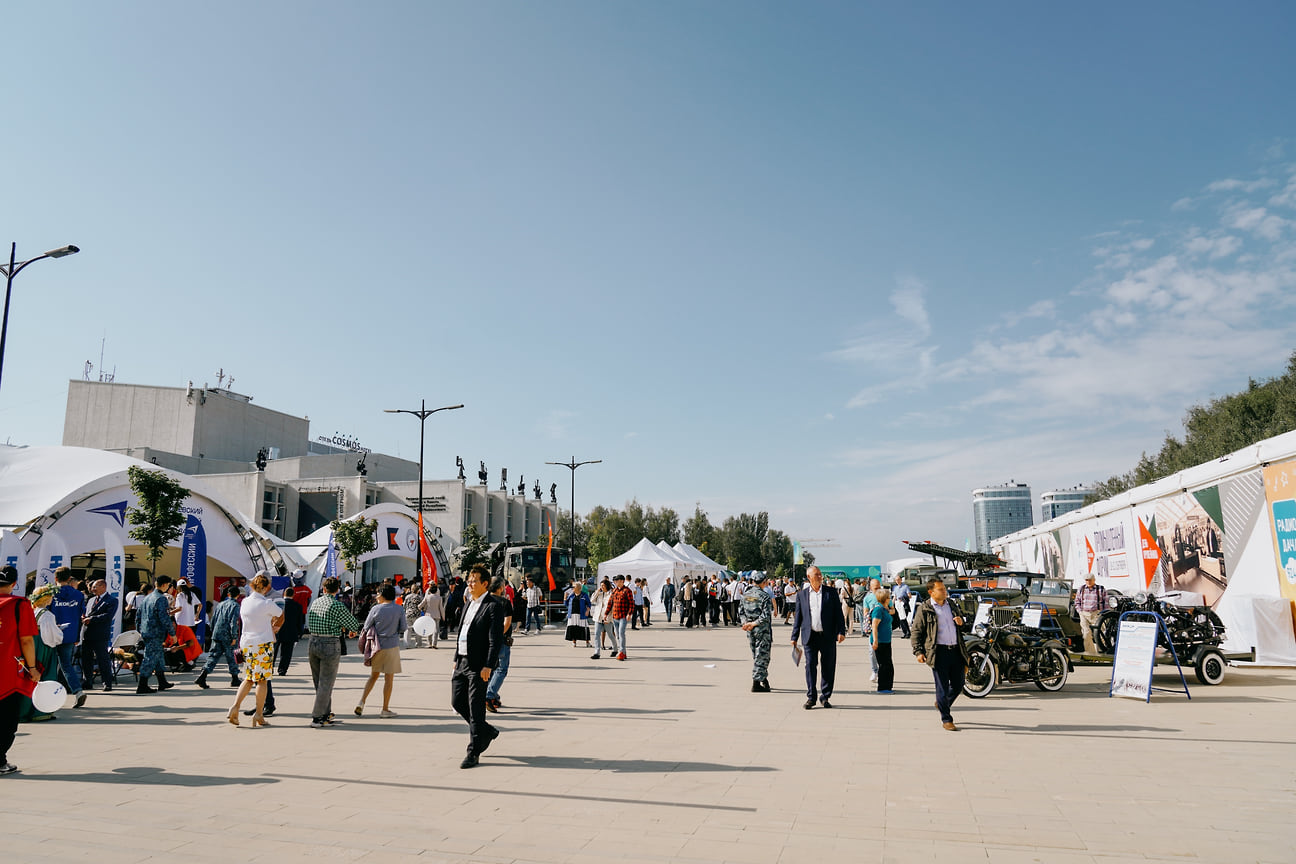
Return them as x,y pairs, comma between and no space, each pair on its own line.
238,656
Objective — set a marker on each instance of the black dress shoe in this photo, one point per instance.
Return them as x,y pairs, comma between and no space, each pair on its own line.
144,688
809,703
757,688
165,685
265,712
826,704
491,735
765,688
470,761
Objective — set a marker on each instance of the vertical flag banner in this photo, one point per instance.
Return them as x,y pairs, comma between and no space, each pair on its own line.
13,555
53,555
115,576
193,554
330,560
429,561
797,557
549,560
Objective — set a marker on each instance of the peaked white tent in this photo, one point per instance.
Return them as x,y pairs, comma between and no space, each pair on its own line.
692,553
646,561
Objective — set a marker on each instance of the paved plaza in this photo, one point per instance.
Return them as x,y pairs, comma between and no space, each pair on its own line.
666,757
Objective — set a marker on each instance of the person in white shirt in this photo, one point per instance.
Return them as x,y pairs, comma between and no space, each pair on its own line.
261,617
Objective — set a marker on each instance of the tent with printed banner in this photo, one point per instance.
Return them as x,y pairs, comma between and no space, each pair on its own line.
68,506
692,553
645,561
397,537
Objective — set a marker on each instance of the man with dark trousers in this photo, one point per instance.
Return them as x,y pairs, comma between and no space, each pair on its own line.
481,633
96,633
938,642
819,626
289,633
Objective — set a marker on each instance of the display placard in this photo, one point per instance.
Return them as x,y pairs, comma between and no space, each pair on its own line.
1135,654
1031,617
982,615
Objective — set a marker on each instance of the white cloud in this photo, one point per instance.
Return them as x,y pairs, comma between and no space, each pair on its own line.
1257,220
910,303
1245,186
1217,246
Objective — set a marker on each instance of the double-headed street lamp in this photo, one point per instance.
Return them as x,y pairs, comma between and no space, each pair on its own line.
573,465
16,267
422,413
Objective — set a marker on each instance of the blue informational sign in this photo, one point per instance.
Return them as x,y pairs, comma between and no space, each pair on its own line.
851,572
193,554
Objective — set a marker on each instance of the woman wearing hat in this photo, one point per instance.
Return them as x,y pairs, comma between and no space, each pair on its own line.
49,638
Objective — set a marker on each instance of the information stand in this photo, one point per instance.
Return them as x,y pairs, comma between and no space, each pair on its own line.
1136,643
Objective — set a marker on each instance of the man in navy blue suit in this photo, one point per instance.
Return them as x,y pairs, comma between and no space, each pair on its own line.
818,625
97,633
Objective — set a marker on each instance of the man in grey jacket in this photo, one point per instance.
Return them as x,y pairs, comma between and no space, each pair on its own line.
938,642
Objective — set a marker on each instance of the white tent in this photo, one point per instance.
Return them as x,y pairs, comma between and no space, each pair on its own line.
397,537
646,561
692,553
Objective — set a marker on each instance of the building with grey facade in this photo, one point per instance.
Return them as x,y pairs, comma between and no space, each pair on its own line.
218,434
1000,510
1058,501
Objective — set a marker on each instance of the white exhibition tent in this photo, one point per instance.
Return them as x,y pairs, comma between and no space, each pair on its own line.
397,537
692,553
646,561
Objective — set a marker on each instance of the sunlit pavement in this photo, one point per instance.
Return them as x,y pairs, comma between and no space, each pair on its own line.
666,757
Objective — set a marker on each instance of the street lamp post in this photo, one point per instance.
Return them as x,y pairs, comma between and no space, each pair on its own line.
422,413
16,267
573,465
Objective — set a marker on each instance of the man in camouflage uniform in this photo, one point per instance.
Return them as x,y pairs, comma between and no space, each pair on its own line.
756,609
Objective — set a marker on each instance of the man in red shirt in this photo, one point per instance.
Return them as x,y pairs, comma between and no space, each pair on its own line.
619,608
17,659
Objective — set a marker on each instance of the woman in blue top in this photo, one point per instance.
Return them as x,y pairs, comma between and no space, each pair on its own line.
881,640
577,603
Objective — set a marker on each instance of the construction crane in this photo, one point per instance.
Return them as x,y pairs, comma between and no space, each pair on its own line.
819,542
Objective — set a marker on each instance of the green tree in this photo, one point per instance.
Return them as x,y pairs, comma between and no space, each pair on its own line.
1227,424
354,538
742,536
776,551
662,525
475,548
700,533
158,521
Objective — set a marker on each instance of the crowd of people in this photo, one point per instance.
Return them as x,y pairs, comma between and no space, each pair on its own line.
254,628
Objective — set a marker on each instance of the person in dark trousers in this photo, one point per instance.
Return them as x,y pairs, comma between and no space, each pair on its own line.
289,633
225,626
68,607
938,642
481,634
818,625
880,639
96,633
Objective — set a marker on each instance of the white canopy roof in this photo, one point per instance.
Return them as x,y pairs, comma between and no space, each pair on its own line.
646,561
692,553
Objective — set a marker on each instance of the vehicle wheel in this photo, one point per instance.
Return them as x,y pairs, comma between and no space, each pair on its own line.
982,674
1105,633
1210,666
1051,669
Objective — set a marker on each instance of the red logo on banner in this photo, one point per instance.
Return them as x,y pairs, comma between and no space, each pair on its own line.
1089,554
1151,554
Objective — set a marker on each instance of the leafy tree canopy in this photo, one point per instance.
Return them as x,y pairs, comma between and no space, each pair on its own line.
353,538
1224,425
158,521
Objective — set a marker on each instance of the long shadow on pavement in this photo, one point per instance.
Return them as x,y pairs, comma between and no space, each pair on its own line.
631,766
152,777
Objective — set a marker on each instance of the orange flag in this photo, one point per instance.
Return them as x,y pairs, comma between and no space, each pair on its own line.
549,558
429,561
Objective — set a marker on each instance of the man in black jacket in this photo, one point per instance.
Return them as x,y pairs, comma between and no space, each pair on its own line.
96,633
289,632
818,626
481,633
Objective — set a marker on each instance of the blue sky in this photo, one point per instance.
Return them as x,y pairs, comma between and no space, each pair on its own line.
836,261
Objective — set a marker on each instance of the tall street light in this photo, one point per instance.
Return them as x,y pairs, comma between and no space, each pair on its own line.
573,465
422,413
16,267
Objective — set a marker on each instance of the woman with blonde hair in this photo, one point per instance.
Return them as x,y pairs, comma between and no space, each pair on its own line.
49,637
261,618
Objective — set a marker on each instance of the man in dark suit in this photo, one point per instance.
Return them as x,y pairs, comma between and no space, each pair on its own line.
481,633
96,634
290,632
818,625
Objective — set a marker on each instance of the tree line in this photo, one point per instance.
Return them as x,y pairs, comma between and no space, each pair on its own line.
1264,409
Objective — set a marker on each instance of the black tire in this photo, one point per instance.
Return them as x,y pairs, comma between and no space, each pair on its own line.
1210,666
1051,669
1105,632
982,675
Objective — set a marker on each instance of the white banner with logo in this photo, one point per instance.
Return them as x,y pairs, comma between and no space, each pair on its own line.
53,555
13,555
115,576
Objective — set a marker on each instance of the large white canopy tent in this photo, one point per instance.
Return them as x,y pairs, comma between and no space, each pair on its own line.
397,536
646,561
692,553
57,503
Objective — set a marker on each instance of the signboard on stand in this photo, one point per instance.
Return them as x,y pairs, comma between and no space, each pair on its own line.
1135,655
1031,617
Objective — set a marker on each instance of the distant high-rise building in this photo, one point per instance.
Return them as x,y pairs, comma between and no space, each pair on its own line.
1000,510
1059,501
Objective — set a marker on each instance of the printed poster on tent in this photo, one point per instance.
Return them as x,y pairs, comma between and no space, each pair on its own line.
1280,498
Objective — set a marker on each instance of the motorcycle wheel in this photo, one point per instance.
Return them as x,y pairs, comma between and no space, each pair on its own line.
982,675
1105,633
1051,670
1210,667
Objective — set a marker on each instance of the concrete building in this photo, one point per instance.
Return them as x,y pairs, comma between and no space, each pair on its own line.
216,434
1000,510
1058,501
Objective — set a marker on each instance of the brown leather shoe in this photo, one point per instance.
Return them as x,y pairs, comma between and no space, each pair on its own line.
950,727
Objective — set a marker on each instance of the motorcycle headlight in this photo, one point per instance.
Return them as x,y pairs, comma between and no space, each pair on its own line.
1112,602
979,629
1141,597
